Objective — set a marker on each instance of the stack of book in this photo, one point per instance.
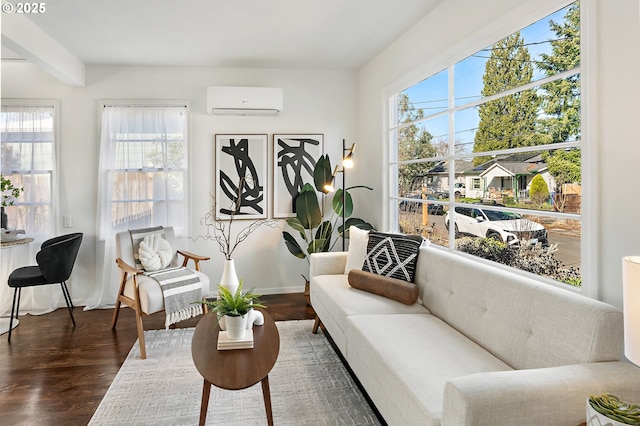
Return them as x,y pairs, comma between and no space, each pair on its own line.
224,343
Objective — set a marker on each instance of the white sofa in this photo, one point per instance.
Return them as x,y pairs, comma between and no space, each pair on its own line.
482,346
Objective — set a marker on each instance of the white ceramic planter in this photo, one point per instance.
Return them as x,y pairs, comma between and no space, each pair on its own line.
236,327
596,419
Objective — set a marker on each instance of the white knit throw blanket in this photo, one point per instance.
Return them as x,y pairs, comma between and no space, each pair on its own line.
180,288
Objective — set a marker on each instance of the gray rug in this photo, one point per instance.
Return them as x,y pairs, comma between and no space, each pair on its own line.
309,386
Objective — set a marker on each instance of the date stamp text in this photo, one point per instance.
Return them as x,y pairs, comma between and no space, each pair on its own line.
24,8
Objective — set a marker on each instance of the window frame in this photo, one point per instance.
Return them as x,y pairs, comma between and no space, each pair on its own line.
512,22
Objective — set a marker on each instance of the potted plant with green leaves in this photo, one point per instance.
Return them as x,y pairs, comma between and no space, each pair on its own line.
608,409
234,308
10,193
316,233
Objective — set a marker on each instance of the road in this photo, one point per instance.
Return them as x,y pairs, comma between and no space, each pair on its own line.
568,248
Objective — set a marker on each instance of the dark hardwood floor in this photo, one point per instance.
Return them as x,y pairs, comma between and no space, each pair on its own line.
54,374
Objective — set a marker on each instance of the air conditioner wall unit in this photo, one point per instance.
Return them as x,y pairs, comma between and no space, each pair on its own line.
234,100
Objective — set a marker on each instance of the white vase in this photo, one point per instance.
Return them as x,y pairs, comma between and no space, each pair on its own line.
236,327
229,279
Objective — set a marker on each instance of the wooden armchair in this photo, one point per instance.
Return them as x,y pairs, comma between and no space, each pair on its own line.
142,293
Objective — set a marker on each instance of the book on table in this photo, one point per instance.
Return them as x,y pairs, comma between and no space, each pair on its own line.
224,343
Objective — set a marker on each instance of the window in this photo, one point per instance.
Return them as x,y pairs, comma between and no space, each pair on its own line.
144,167
505,124
28,159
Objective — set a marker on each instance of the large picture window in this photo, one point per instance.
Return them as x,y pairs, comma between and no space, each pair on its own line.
28,161
486,154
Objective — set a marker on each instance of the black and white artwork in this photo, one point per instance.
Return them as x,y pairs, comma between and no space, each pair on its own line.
241,176
294,157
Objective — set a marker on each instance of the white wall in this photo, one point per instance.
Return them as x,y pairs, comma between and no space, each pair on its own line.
458,28
314,102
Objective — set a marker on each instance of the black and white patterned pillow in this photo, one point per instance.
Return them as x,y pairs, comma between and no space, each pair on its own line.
392,255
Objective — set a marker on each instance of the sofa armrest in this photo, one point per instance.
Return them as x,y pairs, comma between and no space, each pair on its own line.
545,396
329,263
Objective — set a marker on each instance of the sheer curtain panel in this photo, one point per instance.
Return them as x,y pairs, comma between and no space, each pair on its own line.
143,181
28,140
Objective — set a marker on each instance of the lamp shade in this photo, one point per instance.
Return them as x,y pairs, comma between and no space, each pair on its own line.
631,306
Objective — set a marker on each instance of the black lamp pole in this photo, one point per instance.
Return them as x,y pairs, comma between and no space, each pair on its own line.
344,197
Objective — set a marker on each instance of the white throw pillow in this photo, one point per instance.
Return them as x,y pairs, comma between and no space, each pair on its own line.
155,252
358,240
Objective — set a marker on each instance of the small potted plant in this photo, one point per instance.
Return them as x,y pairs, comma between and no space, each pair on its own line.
607,409
233,308
9,194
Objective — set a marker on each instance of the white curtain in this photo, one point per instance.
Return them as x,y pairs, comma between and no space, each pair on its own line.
143,181
28,160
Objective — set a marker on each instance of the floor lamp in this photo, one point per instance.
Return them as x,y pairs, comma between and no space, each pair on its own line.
347,163
631,306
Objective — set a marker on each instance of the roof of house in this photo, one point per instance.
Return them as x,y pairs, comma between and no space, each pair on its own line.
512,164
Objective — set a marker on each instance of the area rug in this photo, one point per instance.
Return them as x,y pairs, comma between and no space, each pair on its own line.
309,386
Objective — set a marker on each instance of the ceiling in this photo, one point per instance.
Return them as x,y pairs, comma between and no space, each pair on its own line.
326,34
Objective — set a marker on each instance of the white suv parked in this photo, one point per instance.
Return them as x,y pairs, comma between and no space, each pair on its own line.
507,227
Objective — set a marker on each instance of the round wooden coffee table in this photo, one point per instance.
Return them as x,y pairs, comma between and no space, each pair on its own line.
237,368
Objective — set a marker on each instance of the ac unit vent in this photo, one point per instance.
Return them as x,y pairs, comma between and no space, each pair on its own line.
234,100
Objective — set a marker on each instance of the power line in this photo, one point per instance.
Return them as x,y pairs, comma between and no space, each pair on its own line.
533,43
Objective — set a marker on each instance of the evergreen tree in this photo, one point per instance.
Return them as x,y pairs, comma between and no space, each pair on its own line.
561,102
413,143
561,99
564,166
510,121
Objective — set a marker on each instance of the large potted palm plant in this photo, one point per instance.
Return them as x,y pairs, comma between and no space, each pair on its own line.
315,232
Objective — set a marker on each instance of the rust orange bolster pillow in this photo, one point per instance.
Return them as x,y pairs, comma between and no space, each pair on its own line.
392,288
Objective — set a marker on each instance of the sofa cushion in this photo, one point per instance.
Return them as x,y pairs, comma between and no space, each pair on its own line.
358,239
334,300
404,361
392,255
391,288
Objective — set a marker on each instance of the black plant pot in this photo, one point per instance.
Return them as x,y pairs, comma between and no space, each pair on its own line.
4,219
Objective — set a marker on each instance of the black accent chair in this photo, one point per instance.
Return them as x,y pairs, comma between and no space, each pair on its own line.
55,263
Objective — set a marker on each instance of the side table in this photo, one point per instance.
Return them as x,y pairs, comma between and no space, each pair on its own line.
237,368
15,253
